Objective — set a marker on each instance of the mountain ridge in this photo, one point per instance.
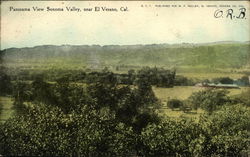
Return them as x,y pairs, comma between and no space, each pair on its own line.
216,55
121,45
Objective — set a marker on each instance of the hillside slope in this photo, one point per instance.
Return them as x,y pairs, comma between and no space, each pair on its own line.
205,56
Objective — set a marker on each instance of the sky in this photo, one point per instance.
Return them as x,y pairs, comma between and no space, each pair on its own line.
138,25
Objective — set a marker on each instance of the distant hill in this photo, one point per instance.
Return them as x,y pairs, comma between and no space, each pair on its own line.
217,55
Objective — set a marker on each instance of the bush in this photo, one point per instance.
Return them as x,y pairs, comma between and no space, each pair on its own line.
223,133
5,82
223,80
48,131
68,120
1,107
183,81
226,131
209,100
174,104
170,138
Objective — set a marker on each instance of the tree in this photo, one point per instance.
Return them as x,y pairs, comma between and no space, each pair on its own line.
226,132
5,82
209,100
223,80
223,133
1,107
174,103
131,76
183,81
48,131
42,91
158,77
131,106
1,56
21,93
169,138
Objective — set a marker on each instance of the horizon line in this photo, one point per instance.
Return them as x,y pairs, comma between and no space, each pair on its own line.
103,45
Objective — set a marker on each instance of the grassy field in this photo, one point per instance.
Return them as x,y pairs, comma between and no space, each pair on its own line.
7,108
166,112
203,76
183,92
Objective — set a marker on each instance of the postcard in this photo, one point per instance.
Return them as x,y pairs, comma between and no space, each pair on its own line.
125,78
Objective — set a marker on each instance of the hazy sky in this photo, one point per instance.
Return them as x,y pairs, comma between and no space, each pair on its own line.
139,25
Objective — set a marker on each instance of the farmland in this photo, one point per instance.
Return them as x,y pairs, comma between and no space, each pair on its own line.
183,92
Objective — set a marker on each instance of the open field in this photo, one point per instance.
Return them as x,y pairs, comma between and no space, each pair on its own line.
7,110
183,92
203,76
180,114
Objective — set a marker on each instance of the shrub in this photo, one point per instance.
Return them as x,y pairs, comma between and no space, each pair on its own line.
174,103
170,138
209,100
223,80
48,131
223,133
226,131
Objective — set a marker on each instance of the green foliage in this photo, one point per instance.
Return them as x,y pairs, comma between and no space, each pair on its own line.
38,132
170,138
1,56
134,107
21,94
103,136
183,81
174,103
5,82
42,91
67,96
223,133
223,80
156,76
226,131
90,130
1,107
209,100
131,106
104,118
48,131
